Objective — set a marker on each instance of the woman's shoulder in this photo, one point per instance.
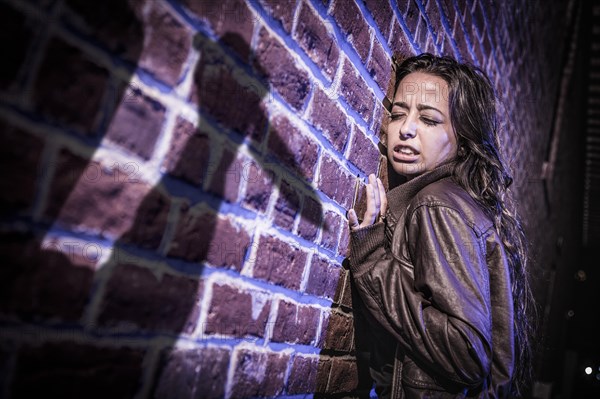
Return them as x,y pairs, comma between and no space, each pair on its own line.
447,193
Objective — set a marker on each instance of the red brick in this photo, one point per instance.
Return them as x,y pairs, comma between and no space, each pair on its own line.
39,281
294,149
323,278
167,45
287,206
279,263
258,374
189,153
137,123
331,230
116,24
202,236
136,294
448,10
382,14
226,176
282,12
276,64
319,44
435,20
295,323
69,87
71,370
259,185
231,20
344,376
344,239
193,373
111,201
311,217
399,43
421,34
232,312
335,182
16,41
303,375
337,332
380,66
20,157
351,21
326,116
363,153
411,16
217,81
339,289
356,92
309,374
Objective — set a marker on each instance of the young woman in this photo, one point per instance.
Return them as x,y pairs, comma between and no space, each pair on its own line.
440,261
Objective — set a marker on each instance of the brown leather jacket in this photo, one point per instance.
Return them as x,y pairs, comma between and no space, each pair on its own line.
436,283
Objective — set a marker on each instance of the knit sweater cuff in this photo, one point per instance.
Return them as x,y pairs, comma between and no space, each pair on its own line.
363,242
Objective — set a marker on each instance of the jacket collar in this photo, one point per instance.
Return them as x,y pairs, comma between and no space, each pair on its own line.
400,196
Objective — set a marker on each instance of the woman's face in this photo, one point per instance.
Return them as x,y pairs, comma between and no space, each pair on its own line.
420,135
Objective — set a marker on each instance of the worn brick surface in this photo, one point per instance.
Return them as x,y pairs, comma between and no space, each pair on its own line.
233,312
41,280
277,65
203,236
326,116
335,182
189,153
295,149
259,185
318,43
69,87
308,374
310,220
351,21
258,374
279,262
193,373
231,20
217,81
356,92
66,369
111,201
337,332
117,25
323,278
167,46
295,323
139,296
137,123
382,14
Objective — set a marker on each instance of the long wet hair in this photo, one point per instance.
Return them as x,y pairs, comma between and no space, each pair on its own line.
482,171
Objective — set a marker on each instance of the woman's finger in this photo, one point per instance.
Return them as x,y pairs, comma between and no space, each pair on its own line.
373,183
383,197
353,219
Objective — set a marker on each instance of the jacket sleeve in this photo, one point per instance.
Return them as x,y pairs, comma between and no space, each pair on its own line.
439,308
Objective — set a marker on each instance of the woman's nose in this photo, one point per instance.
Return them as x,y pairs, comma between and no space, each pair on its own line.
407,129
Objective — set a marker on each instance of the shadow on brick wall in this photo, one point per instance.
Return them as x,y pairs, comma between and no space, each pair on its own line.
80,324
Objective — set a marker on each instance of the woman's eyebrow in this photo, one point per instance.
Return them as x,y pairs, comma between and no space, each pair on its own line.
420,107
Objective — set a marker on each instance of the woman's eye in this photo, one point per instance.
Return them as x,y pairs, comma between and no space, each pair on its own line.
395,117
429,122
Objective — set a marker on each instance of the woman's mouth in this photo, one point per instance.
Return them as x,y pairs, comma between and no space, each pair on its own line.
405,153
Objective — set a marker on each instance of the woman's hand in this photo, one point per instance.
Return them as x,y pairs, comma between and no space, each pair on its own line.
376,205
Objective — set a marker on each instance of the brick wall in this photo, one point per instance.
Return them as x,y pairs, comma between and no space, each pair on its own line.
176,175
